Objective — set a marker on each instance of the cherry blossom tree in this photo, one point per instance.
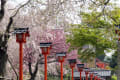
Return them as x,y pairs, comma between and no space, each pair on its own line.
32,52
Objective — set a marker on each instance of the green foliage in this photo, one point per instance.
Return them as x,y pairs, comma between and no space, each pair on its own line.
92,37
114,77
97,31
114,15
93,19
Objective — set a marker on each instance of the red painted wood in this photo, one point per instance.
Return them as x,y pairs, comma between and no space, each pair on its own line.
21,62
61,70
45,66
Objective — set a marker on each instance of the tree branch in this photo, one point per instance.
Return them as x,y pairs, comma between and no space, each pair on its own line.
2,11
106,2
103,9
13,67
11,18
36,68
6,36
21,7
30,68
93,2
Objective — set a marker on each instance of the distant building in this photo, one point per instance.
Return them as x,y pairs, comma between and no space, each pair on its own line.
100,64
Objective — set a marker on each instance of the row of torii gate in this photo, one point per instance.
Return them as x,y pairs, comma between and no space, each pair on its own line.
23,33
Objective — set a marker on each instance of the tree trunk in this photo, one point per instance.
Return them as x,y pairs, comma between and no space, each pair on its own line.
3,49
3,54
33,74
118,61
33,77
3,61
